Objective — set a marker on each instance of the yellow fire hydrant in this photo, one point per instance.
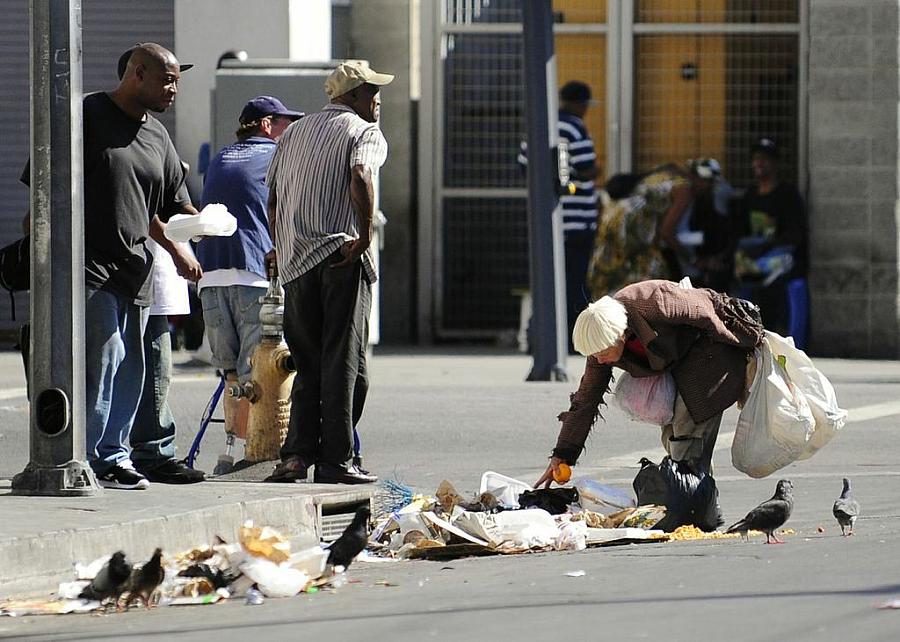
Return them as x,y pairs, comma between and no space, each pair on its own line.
271,377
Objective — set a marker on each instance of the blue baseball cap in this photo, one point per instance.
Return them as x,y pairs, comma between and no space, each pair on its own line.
263,106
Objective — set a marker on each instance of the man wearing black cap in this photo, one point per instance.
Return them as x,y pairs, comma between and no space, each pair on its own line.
234,267
153,433
775,224
579,209
132,177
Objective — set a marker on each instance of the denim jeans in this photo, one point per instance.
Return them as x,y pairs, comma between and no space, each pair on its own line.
231,315
153,434
114,375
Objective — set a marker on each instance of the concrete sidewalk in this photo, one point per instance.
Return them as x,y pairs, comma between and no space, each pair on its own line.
42,537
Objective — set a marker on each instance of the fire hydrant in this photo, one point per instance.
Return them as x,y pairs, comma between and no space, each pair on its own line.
271,378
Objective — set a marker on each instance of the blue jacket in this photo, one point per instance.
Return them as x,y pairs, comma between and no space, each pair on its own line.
236,178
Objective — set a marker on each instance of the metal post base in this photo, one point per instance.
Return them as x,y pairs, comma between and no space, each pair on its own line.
72,480
555,373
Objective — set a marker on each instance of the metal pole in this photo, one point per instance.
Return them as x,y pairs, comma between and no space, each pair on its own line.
540,110
57,423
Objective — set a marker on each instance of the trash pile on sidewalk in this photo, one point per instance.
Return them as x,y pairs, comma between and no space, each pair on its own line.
508,516
261,565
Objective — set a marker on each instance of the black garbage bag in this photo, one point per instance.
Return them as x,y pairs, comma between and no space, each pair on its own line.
689,497
553,500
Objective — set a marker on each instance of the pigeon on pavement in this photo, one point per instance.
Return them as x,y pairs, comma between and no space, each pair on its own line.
352,541
846,509
110,581
769,515
145,580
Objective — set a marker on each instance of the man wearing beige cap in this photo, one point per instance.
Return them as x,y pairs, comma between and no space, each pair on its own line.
321,206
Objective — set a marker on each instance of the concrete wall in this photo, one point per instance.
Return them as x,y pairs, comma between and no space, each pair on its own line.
204,29
853,165
390,52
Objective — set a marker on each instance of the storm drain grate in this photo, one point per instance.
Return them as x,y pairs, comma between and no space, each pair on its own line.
333,519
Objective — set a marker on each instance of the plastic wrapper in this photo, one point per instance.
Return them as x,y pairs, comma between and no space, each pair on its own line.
601,498
274,580
572,536
264,542
527,528
644,517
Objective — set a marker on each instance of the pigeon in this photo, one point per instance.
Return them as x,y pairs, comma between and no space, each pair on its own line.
352,541
846,509
769,515
111,581
145,580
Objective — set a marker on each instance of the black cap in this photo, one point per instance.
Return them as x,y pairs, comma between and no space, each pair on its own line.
126,56
575,91
765,145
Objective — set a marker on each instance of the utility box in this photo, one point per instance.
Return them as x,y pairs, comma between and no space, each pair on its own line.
300,86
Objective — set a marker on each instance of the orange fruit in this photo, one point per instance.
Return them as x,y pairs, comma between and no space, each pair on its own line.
564,474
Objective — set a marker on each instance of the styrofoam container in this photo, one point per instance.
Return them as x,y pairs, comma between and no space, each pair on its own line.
213,220
505,489
311,561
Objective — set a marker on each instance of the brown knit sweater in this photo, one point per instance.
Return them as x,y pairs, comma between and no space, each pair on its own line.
702,337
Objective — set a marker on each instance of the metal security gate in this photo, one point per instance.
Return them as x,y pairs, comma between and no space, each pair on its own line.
672,79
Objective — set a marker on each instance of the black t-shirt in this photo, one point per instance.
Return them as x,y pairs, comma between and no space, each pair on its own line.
780,218
131,173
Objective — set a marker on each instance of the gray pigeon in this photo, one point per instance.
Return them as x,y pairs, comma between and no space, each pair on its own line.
769,515
846,509
110,581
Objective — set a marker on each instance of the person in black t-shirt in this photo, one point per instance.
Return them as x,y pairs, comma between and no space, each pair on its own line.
774,247
132,177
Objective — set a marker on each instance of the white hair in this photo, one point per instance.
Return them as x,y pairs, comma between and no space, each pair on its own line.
599,326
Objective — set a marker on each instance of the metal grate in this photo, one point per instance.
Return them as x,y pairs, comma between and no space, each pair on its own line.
484,110
485,257
334,519
717,11
461,12
712,96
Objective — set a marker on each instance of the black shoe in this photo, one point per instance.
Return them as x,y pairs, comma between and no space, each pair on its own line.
332,474
123,478
171,472
288,471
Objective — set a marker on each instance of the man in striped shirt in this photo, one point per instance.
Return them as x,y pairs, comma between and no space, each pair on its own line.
579,209
321,206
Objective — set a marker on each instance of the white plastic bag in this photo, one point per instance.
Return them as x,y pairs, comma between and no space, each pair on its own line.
819,392
647,399
776,423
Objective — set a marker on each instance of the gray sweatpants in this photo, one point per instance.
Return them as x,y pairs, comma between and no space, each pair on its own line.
689,441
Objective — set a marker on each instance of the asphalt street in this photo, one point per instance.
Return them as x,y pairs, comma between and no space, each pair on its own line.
440,415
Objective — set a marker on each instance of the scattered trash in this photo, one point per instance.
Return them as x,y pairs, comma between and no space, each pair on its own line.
385,583
890,604
254,597
575,574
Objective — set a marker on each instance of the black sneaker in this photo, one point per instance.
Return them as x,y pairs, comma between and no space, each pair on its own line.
124,479
172,472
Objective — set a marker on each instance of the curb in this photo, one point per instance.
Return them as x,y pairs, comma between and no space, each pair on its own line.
35,565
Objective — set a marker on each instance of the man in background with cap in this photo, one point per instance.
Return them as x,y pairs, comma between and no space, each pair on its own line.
234,267
321,207
579,210
774,223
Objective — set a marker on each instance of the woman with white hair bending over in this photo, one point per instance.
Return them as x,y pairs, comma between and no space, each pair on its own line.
703,338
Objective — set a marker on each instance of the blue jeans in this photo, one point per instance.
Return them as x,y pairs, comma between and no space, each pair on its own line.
153,434
114,375
231,315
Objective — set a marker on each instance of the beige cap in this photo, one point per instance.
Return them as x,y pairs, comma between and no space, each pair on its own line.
350,74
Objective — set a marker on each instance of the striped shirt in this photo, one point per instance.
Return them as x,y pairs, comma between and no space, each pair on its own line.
580,208
310,173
